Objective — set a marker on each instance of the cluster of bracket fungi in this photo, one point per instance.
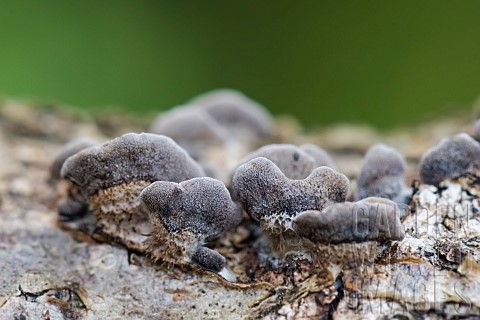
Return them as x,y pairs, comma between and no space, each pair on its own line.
164,193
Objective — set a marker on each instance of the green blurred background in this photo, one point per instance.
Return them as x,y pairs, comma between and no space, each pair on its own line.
383,62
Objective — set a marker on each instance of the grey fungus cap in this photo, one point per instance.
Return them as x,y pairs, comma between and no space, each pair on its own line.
294,162
201,206
370,219
71,208
66,152
322,158
233,109
265,191
191,127
130,157
209,259
188,214
74,204
451,158
476,130
382,173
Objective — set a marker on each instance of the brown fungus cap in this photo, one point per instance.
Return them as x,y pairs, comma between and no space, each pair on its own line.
451,158
382,174
130,157
200,206
369,219
265,192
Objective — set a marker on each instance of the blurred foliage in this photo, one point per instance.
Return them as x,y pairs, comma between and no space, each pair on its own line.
382,62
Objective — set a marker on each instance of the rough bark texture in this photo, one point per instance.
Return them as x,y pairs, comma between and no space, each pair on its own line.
52,270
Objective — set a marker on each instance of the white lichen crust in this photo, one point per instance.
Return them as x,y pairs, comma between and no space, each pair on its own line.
445,224
436,266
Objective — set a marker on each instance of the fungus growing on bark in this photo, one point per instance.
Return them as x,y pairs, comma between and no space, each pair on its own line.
217,129
382,174
191,127
73,204
322,158
209,259
273,199
305,217
294,162
376,219
452,157
112,175
235,111
66,152
131,157
187,215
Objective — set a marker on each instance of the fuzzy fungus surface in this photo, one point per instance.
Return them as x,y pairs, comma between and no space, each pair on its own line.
63,270
186,215
322,158
476,130
370,219
236,111
267,194
66,152
382,174
74,203
109,178
294,162
191,127
130,157
209,259
452,157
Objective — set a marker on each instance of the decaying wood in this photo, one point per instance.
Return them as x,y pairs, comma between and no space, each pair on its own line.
53,270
